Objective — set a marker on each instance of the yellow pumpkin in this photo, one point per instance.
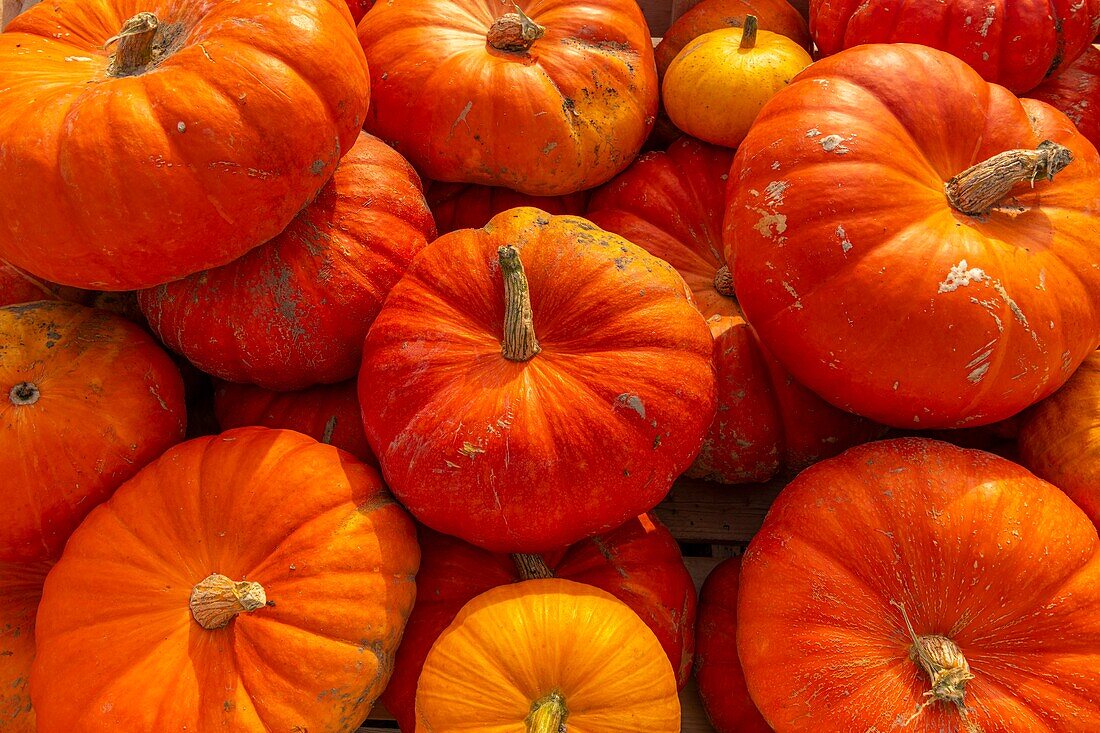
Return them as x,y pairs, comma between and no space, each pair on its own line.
543,656
717,85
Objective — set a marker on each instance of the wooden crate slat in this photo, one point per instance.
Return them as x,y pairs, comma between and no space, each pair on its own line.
701,512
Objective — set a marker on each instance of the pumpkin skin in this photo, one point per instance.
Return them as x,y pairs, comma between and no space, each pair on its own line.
327,413
1060,438
20,591
490,449
517,644
1076,93
294,312
465,206
575,108
359,8
952,535
639,563
1016,45
996,332
717,669
312,525
671,204
216,162
87,399
777,16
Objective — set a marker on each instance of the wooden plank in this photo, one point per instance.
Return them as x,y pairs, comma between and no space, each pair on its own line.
701,512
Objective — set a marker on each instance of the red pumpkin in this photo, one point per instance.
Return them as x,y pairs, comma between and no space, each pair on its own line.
466,206
20,591
231,115
717,668
913,585
1076,92
872,207
535,382
546,98
1015,44
294,312
86,399
672,204
359,8
639,563
327,413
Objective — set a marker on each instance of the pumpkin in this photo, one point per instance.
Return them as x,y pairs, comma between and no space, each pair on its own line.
717,669
910,584
918,175
1060,438
544,656
639,563
546,98
327,413
671,204
1016,45
1076,92
212,99
777,16
535,382
465,206
87,399
719,82
359,8
20,590
258,580
294,312
17,286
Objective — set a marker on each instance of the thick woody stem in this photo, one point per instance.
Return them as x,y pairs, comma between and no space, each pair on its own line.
723,281
514,32
24,393
519,342
982,187
135,45
217,600
548,715
532,567
748,32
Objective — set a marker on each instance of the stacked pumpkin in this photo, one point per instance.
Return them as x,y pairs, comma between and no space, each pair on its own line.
820,257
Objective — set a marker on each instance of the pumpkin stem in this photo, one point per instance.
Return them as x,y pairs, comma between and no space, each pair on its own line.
748,32
135,45
984,186
723,281
24,393
548,715
216,600
532,567
519,342
946,667
514,32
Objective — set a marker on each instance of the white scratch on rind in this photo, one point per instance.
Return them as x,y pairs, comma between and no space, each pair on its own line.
961,275
842,235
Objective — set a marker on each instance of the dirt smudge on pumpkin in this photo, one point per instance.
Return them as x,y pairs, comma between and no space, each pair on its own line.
461,118
842,236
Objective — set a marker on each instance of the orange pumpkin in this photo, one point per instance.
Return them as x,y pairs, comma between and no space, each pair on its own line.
1076,92
253,581
546,98
535,382
671,204
88,398
912,585
547,655
466,206
232,119
20,590
952,292
294,312
1060,438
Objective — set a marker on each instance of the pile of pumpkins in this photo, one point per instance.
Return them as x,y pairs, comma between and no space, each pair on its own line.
433,276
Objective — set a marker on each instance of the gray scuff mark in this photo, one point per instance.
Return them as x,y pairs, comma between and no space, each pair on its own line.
633,402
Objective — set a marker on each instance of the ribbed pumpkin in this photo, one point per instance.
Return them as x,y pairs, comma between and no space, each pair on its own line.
232,119
544,656
20,590
546,98
1076,93
913,585
717,668
359,8
86,399
467,206
1015,44
777,16
639,563
253,581
535,382
294,312
17,286
328,413
671,204
898,246
1060,438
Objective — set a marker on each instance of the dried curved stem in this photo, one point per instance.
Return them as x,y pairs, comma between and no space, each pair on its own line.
984,186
